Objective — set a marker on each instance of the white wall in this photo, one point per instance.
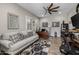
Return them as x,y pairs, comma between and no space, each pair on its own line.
71,13
17,10
53,18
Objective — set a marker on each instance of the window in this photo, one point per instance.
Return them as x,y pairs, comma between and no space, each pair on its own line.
13,21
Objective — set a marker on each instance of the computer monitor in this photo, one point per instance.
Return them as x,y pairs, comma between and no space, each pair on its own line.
75,20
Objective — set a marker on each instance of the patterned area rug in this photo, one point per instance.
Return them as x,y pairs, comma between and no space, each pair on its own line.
40,47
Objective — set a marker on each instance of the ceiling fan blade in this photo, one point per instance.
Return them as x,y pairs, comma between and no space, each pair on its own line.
49,12
50,5
50,9
45,10
55,8
77,8
45,13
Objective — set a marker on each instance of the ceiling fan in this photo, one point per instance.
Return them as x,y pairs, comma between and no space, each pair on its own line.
51,9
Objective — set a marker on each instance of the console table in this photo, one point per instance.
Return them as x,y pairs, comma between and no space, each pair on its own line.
76,43
44,35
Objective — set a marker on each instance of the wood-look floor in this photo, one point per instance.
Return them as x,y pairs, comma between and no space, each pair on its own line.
55,45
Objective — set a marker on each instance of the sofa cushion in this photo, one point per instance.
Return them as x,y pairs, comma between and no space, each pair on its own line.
6,43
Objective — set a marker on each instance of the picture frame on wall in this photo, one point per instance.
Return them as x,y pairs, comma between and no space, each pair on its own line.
55,24
45,24
13,21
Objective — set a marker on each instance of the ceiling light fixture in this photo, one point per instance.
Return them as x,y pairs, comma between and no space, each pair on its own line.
42,15
59,12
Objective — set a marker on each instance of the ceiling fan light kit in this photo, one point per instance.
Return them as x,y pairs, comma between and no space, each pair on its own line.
60,12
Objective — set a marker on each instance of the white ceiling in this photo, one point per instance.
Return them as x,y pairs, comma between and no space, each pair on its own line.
37,8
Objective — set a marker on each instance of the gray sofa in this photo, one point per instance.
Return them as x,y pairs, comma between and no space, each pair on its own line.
14,42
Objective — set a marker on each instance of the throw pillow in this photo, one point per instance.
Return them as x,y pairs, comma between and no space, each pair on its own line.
14,38
20,36
30,34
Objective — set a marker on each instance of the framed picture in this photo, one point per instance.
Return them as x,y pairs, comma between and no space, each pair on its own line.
55,24
13,21
45,24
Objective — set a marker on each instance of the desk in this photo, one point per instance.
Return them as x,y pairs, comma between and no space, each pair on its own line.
74,30
76,43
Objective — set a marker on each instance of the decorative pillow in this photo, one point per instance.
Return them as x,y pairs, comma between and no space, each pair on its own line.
15,38
11,38
26,36
24,32
30,34
20,36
